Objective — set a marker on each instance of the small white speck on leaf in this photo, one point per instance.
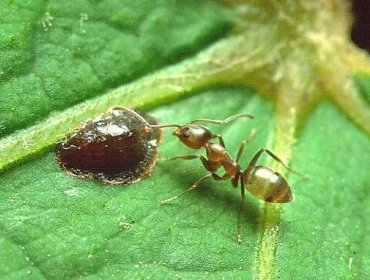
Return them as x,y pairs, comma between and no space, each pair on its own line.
72,192
350,263
47,21
123,223
83,17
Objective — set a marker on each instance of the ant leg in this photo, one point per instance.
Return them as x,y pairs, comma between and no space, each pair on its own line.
243,143
242,193
220,178
271,154
275,157
241,150
185,157
227,120
220,139
207,164
194,186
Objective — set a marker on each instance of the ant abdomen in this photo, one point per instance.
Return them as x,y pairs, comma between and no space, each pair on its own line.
268,185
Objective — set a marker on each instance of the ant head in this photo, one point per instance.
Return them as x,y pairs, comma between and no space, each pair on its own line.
193,136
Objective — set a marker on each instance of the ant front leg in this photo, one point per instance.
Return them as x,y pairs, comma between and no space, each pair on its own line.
210,166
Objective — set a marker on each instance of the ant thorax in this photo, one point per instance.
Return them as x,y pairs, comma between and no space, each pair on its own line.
217,153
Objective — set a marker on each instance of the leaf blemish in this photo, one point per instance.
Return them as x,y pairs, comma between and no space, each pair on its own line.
83,17
47,21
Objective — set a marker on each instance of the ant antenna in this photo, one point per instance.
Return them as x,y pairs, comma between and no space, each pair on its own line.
227,120
165,125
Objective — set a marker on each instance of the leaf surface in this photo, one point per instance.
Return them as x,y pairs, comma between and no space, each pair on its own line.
52,226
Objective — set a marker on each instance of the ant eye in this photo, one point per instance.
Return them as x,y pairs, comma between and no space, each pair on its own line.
185,133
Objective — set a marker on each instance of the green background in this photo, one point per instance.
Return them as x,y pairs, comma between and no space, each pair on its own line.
53,226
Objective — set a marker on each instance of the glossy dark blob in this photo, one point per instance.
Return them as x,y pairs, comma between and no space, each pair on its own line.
117,148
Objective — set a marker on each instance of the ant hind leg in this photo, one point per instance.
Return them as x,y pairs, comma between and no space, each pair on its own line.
271,154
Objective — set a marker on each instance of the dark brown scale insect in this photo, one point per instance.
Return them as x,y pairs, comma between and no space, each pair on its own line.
119,147
261,181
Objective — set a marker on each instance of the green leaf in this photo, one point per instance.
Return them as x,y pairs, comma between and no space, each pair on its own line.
57,54
327,226
68,227
63,62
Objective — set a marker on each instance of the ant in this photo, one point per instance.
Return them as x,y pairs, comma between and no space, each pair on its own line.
261,181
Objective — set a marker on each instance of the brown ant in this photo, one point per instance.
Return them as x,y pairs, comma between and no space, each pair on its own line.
262,181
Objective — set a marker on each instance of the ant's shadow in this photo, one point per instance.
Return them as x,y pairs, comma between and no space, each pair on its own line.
250,213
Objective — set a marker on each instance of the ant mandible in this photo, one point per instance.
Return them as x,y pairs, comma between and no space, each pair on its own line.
261,181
